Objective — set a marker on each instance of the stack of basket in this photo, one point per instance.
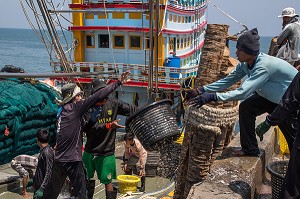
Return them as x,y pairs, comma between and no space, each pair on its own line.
152,163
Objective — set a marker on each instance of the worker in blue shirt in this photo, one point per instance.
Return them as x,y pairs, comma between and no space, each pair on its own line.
266,80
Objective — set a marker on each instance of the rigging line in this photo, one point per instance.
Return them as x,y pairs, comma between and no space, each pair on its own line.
31,24
57,21
164,19
228,15
53,34
110,36
56,40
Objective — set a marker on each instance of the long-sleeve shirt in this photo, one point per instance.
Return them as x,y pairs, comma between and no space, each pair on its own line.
291,33
43,171
69,139
138,150
269,77
100,140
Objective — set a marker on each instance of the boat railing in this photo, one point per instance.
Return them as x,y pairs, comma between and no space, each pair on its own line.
139,73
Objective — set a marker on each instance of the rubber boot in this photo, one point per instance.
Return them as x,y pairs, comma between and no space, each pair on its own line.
112,194
143,180
90,189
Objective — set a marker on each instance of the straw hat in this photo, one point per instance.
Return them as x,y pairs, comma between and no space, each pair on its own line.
288,12
69,91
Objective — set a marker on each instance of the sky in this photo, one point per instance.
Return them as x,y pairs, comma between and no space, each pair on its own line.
261,14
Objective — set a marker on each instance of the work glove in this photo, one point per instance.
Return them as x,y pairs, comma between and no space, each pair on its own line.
202,99
261,129
29,182
39,194
188,94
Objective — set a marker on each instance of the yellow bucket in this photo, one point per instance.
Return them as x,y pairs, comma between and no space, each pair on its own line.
127,183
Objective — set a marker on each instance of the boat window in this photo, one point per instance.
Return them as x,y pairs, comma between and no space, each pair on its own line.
135,15
89,16
171,44
118,15
170,17
103,41
175,18
179,19
119,41
90,41
181,43
178,43
135,42
102,16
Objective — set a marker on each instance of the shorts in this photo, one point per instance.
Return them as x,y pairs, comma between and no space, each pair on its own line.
105,166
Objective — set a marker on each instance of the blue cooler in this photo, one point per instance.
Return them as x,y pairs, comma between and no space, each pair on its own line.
173,62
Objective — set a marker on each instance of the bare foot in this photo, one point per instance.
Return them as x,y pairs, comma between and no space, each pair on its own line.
25,194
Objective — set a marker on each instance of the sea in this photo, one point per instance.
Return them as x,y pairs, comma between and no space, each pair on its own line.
22,48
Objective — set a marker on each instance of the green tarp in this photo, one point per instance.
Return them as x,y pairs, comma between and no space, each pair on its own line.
25,107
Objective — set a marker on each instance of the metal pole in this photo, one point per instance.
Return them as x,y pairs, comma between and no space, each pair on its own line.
150,80
96,11
45,75
156,46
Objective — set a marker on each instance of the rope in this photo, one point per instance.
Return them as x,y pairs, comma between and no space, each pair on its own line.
109,35
243,25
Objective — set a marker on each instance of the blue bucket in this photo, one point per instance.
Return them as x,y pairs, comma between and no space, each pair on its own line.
173,62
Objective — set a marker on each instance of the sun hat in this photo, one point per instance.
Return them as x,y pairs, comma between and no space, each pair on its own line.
97,84
288,12
249,42
69,91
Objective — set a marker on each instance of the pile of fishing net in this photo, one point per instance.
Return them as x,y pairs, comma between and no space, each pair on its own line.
25,107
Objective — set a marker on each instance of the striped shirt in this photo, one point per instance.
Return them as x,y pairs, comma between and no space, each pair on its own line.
27,161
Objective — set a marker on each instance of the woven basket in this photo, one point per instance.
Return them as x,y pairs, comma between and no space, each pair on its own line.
154,125
277,171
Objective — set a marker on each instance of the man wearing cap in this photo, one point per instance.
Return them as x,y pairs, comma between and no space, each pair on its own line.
101,135
68,150
289,38
266,80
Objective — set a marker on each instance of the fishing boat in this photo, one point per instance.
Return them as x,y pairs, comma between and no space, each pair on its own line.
158,41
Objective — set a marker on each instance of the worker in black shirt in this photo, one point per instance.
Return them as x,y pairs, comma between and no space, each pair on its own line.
99,151
45,162
69,141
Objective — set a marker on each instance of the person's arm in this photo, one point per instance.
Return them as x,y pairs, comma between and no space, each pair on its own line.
259,76
126,152
49,156
234,76
124,108
284,35
142,153
98,96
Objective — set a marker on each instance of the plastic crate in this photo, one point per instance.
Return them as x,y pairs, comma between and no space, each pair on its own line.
277,171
